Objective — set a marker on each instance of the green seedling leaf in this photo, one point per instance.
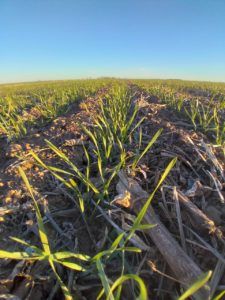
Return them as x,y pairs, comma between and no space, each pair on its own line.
153,140
104,279
19,255
64,288
143,291
111,251
115,244
145,226
67,254
220,296
196,286
34,248
145,207
42,232
70,265
82,177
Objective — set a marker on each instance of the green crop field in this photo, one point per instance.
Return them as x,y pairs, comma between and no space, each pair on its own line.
112,189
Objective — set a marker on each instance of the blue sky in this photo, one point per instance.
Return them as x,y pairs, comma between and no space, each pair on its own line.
59,39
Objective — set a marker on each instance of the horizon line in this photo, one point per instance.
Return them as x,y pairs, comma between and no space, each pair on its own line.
104,77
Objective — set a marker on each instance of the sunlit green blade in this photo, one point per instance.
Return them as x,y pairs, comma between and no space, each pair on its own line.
144,209
42,232
153,140
67,254
70,265
64,288
18,255
34,248
196,286
143,291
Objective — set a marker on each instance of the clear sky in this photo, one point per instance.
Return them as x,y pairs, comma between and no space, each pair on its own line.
59,39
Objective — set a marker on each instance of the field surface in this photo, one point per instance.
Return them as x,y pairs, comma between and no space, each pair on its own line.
112,189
